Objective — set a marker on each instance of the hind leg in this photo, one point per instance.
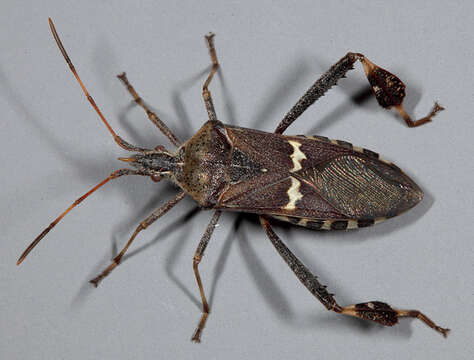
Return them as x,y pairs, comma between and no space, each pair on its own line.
376,311
389,90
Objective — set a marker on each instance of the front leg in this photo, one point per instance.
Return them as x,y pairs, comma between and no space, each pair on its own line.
151,115
376,311
389,90
142,226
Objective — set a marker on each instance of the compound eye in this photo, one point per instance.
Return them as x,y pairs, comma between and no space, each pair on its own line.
155,177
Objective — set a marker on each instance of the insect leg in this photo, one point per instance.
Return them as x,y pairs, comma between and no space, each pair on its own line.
114,175
389,90
376,311
151,115
301,271
196,260
206,94
142,226
121,142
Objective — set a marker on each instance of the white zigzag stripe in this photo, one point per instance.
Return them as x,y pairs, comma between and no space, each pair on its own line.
297,155
293,194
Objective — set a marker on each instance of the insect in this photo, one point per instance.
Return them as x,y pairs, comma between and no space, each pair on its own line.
309,181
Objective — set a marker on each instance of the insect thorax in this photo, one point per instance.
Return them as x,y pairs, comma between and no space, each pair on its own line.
205,160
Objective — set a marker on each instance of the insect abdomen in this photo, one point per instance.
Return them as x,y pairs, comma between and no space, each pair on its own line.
329,224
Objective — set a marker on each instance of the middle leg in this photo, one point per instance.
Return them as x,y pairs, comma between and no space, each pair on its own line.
196,260
206,94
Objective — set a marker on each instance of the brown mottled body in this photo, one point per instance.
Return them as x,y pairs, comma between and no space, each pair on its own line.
309,181
233,168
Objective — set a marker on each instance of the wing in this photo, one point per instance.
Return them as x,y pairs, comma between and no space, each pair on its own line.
313,181
262,171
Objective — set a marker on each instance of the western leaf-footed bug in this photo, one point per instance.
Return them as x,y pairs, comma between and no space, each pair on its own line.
309,181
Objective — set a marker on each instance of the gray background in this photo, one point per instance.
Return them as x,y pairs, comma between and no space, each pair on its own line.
54,148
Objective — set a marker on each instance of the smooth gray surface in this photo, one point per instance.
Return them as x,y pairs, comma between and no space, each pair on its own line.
54,148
